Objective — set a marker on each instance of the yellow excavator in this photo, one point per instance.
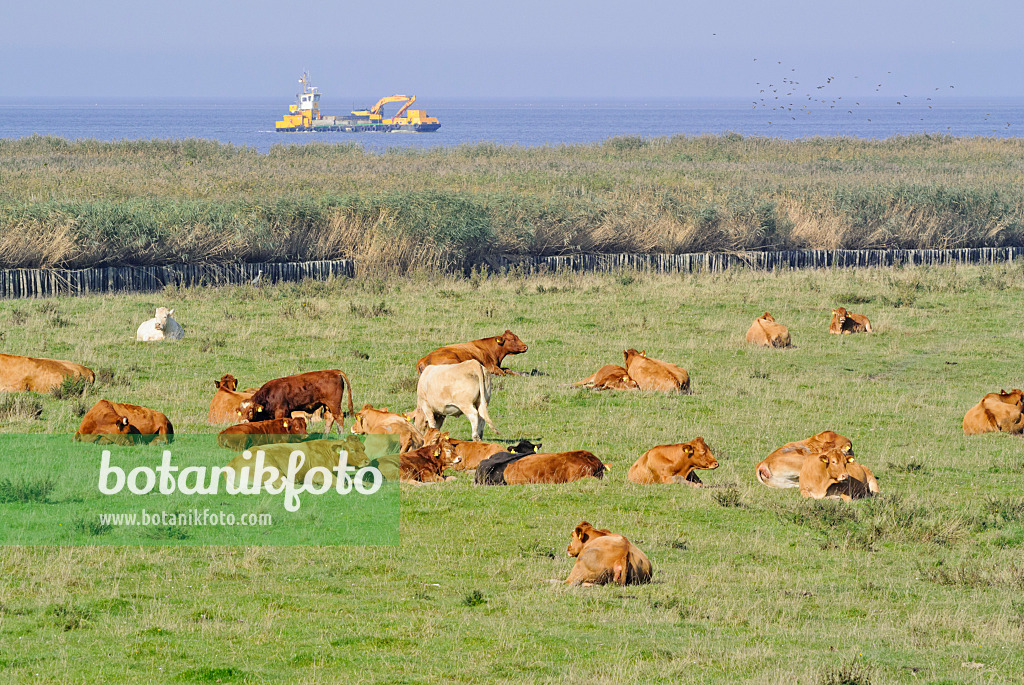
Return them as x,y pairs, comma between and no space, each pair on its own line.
376,113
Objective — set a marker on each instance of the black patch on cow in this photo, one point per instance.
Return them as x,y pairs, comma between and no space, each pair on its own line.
491,471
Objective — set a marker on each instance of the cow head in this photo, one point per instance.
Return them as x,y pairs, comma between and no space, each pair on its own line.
162,313
767,317
248,411
445,451
1015,397
623,382
700,454
510,343
839,317
629,354
835,462
524,447
581,535
227,382
295,425
827,440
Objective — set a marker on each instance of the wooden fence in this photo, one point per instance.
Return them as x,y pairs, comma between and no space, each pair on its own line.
16,283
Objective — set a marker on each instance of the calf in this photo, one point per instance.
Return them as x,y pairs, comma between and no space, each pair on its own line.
123,424
844,322
451,390
673,464
245,435
835,474
654,374
226,402
488,351
781,468
609,377
604,557
767,333
554,467
381,421
306,392
427,464
36,374
997,411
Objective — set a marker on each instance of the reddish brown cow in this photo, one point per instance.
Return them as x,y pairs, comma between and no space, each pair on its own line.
554,467
427,464
307,392
488,351
673,463
245,435
122,424
32,374
610,377
225,403
654,374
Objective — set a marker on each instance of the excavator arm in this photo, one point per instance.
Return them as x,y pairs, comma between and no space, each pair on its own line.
376,110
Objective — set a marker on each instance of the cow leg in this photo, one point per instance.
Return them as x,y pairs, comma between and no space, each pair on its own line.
476,422
329,421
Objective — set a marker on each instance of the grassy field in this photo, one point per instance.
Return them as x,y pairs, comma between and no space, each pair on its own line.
187,201
923,584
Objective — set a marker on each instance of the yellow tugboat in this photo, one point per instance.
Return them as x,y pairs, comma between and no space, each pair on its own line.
305,115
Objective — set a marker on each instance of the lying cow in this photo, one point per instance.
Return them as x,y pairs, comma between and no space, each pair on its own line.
609,377
488,351
844,322
767,333
160,327
123,424
604,557
307,392
822,466
245,435
654,374
781,468
454,390
673,464
315,453
225,403
35,374
472,453
554,467
381,421
997,411
427,464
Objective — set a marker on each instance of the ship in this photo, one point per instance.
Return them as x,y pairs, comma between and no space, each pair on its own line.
305,115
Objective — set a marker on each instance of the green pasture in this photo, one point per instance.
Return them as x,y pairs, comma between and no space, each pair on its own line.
924,584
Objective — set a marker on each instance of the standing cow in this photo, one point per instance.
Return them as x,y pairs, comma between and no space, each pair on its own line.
307,392
453,390
488,351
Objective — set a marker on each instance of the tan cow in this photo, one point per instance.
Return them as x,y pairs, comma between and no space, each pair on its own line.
604,557
835,474
997,411
224,406
471,453
488,351
844,322
673,464
655,374
781,468
767,333
122,424
381,421
34,374
454,390
609,377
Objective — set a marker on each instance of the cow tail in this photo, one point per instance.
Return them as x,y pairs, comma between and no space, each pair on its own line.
351,408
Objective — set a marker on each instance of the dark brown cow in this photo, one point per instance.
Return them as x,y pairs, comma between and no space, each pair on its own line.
123,424
654,374
488,351
427,464
36,374
245,435
609,377
554,467
225,403
844,322
307,392
673,464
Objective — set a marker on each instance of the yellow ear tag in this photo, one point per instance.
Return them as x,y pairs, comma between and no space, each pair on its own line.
437,453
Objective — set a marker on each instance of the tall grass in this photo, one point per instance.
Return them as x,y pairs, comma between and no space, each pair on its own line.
89,203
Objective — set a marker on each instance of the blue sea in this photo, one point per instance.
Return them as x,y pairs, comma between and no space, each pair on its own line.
250,123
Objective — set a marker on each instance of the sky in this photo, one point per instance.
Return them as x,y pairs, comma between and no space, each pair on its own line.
524,49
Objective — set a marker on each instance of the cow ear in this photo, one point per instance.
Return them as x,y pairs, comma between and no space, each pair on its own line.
286,424
259,407
500,341
688,450
124,421
437,452
170,312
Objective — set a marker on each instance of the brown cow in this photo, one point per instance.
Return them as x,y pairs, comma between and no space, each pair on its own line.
781,468
381,421
834,474
673,464
36,374
765,332
488,351
245,435
427,464
307,392
604,557
844,322
554,467
654,374
225,403
997,411
609,377
115,422
471,452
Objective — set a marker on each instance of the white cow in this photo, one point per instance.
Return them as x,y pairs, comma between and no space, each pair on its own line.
453,389
160,327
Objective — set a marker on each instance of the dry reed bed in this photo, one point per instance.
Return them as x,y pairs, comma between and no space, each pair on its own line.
90,203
